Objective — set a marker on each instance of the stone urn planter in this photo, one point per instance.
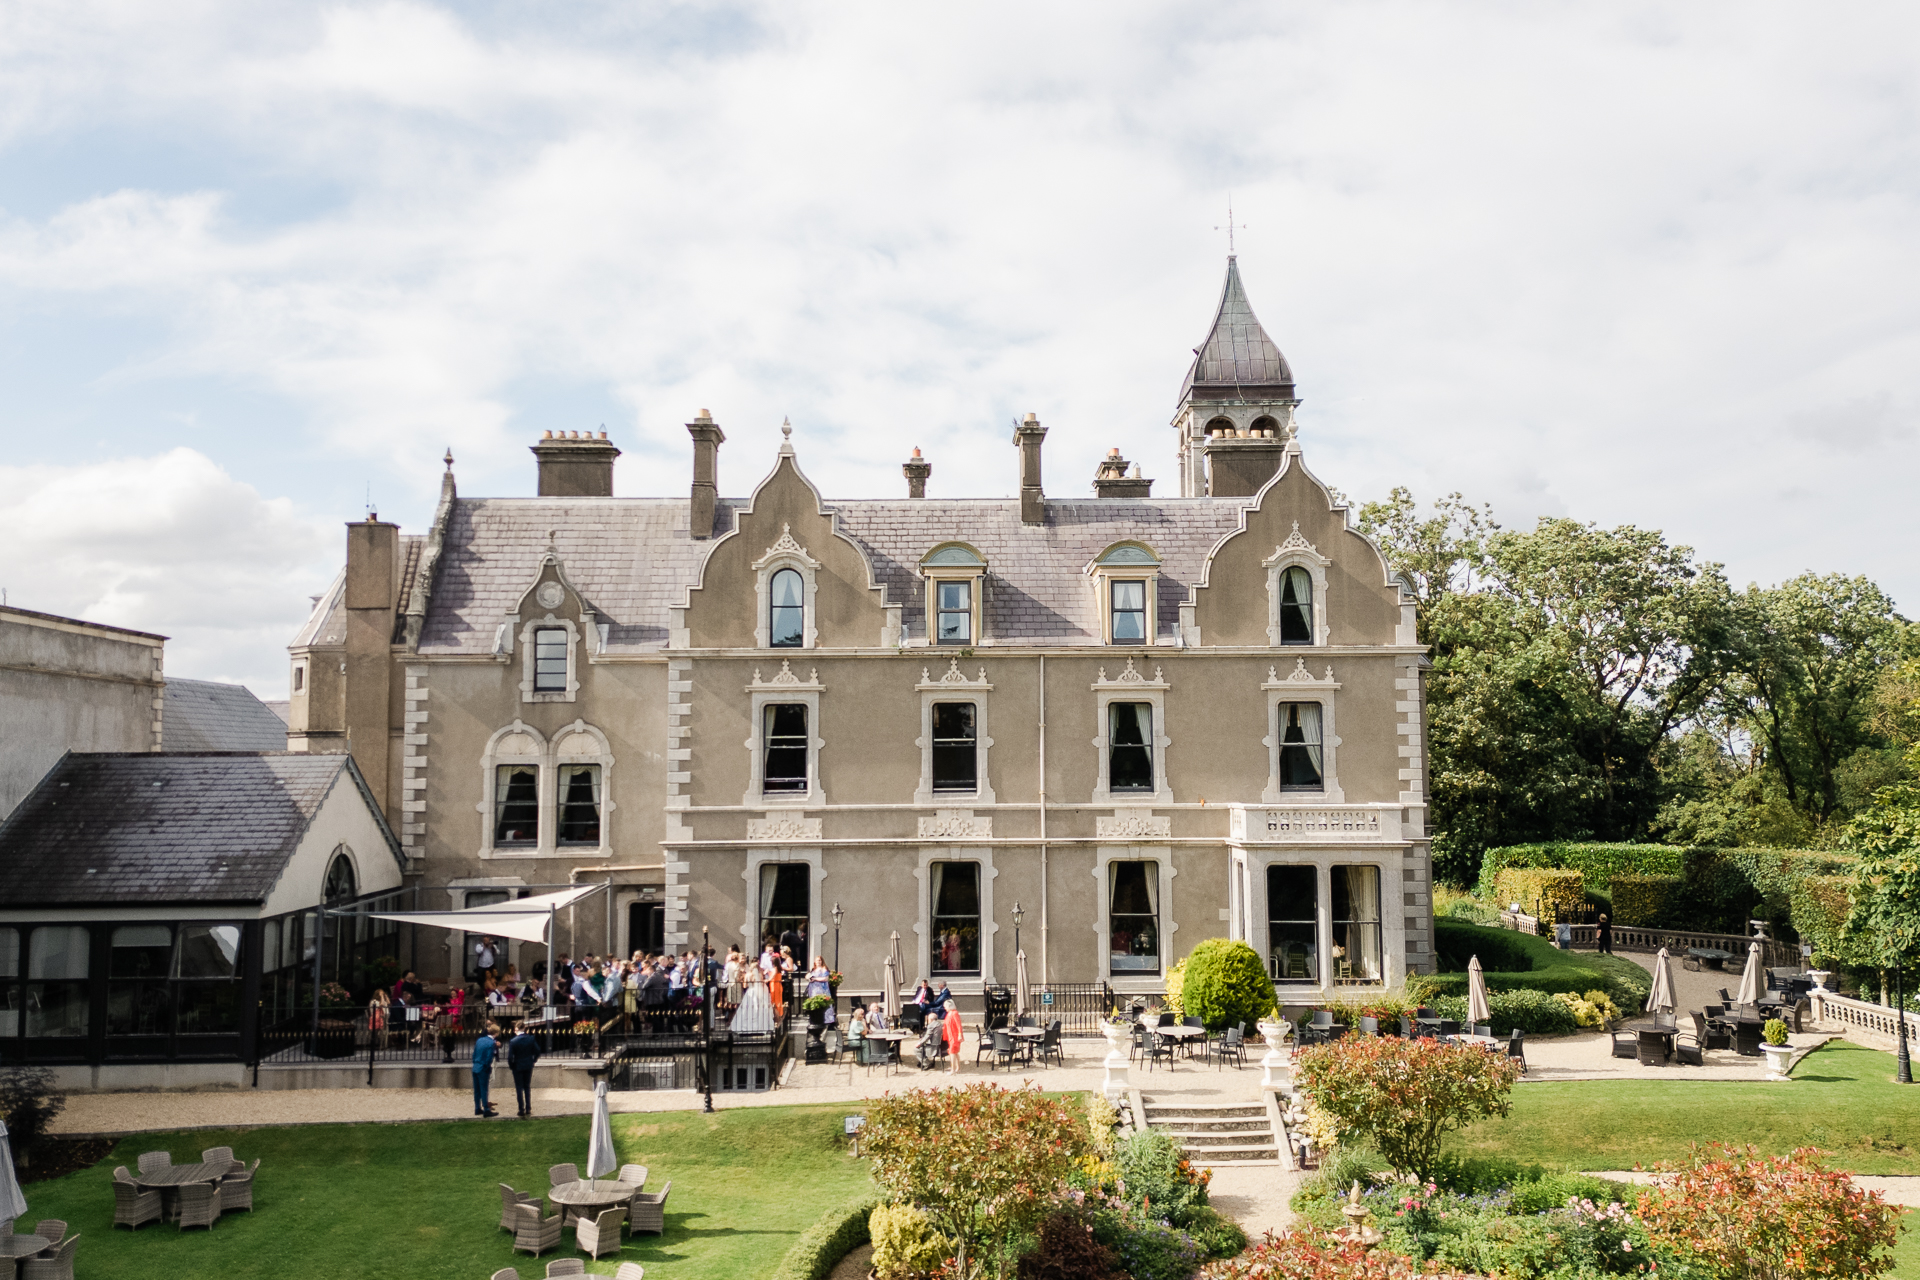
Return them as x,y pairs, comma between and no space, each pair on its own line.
1274,1032
1119,1037
1820,977
1779,1056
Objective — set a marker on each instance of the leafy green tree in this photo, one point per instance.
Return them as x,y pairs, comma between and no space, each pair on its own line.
1883,929
1404,1096
1440,554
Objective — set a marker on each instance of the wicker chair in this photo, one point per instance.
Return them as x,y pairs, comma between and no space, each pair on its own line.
559,1174
510,1202
1517,1048
133,1206
1651,1048
648,1211
236,1189
630,1271
221,1156
57,1267
507,1273
154,1160
634,1175
534,1233
199,1204
1625,1044
1233,1044
566,1267
599,1235
1050,1045
1687,1045
53,1231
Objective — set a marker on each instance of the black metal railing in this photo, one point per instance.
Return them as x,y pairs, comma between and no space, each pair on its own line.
401,1035
1080,1006
686,1060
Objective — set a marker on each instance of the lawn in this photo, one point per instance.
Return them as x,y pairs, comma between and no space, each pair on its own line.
422,1200
1841,1099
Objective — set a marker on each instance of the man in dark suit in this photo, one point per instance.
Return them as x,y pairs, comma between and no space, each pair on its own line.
522,1052
795,941
654,986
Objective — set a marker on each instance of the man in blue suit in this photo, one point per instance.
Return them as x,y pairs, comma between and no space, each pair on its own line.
484,1050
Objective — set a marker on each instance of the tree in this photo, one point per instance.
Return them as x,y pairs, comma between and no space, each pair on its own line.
1883,928
1224,984
1442,554
1404,1096
983,1161
1731,1212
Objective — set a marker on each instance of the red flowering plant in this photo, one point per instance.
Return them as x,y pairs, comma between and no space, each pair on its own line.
1308,1255
1730,1213
1404,1096
983,1161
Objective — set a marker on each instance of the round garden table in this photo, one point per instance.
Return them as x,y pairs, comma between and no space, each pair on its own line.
20,1246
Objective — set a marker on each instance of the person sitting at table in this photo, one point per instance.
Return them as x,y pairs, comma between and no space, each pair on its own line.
941,1000
877,1018
922,996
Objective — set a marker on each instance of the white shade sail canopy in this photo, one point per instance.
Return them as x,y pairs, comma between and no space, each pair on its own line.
522,918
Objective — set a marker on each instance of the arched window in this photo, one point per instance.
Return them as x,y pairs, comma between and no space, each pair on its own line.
1296,606
786,610
341,886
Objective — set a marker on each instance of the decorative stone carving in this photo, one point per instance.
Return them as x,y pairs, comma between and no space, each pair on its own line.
1295,544
956,824
784,828
550,594
1299,677
517,744
952,678
784,678
1132,826
1131,678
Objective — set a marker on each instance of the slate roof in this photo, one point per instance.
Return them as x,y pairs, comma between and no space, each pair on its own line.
122,829
632,560
203,715
1237,355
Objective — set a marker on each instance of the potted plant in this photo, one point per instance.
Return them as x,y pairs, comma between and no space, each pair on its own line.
1117,1027
1774,1044
1819,976
815,1007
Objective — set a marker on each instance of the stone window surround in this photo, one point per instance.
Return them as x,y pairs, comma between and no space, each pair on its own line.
1104,856
935,574
1302,686
920,962
1250,897
527,692
1103,575
785,553
750,924
1296,551
546,762
783,687
1131,686
954,687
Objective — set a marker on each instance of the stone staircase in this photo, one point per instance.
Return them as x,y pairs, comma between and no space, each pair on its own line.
1216,1133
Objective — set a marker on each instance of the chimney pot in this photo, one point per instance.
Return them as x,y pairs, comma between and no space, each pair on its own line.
1029,436
575,467
548,436
916,469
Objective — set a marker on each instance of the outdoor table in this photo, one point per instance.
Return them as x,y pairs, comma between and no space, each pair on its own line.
1031,1035
584,1199
893,1038
1428,1025
1666,1030
168,1179
20,1246
1183,1035
1711,957
1485,1042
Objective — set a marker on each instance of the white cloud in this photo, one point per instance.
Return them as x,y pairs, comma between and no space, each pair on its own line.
168,544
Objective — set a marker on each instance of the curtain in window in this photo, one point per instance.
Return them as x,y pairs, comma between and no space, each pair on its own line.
786,610
1357,903
786,748
1302,762
580,804
1309,721
1130,750
954,892
1133,911
516,805
1296,606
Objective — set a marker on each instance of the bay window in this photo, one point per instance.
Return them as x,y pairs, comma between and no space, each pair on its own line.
1293,923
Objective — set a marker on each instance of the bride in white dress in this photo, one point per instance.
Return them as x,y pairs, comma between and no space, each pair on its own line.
756,1006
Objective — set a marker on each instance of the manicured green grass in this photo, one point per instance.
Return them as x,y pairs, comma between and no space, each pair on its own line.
1841,1099
1906,1254
422,1201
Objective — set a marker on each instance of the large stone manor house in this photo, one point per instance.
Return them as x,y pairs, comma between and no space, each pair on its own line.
1113,724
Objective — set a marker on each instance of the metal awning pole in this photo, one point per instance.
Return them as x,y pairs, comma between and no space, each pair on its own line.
552,921
609,893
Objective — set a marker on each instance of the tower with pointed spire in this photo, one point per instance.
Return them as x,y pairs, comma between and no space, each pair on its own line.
1235,419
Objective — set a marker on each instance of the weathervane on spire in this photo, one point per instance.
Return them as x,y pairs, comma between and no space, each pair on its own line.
1229,228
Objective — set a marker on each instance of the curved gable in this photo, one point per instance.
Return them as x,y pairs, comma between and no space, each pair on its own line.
1294,515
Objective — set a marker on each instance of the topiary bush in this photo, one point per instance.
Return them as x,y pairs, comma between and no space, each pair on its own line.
1226,985
1647,902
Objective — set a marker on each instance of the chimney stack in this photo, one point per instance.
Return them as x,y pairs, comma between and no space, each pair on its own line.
1033,501
575,464
1111,479
916,469
707,439
372,595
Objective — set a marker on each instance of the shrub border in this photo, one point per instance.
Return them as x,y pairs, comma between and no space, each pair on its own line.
837,1233
1554,970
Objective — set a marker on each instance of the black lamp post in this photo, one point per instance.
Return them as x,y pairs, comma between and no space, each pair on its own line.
1904,1072
1018,916
706,1006
838,915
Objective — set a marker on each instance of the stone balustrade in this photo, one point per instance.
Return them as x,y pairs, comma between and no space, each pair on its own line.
1281,824
1874,1025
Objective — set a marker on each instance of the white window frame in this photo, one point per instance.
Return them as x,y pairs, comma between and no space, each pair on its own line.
1104,574
954,686
1296,551
1301,685
1393,915
563,751
1104,856
784,687
975,574
1131,686
923,927
490,761
785,553
527,692
750,924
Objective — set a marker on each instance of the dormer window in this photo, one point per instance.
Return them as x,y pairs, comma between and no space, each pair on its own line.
550,660
955,614
786,610
1296,606
954,572
1127,577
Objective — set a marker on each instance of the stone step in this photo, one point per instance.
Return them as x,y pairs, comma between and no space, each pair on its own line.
1209,1108
1219,1155
1227,1129
1229,1164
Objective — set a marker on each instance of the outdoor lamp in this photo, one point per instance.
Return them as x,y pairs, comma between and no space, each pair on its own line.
1018,915
838,915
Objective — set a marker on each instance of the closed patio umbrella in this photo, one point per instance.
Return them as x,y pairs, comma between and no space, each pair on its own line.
1477,1010
600,1156
1020,984
893,981
1753,981
12,1203
1660,999
890,989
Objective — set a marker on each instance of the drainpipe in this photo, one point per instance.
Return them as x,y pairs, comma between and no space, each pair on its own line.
1046,971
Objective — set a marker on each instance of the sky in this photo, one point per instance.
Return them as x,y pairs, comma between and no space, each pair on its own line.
262,264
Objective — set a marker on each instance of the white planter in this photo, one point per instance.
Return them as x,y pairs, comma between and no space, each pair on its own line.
1778,1058
1118,1039
1274,1064
1819,977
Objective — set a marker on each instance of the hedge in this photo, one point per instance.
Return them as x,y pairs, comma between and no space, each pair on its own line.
1534,1012
1549,892
1598,864
1649,902
1550,969
821,1246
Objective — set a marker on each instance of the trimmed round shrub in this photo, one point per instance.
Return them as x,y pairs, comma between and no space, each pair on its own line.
905,1242
1226,985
